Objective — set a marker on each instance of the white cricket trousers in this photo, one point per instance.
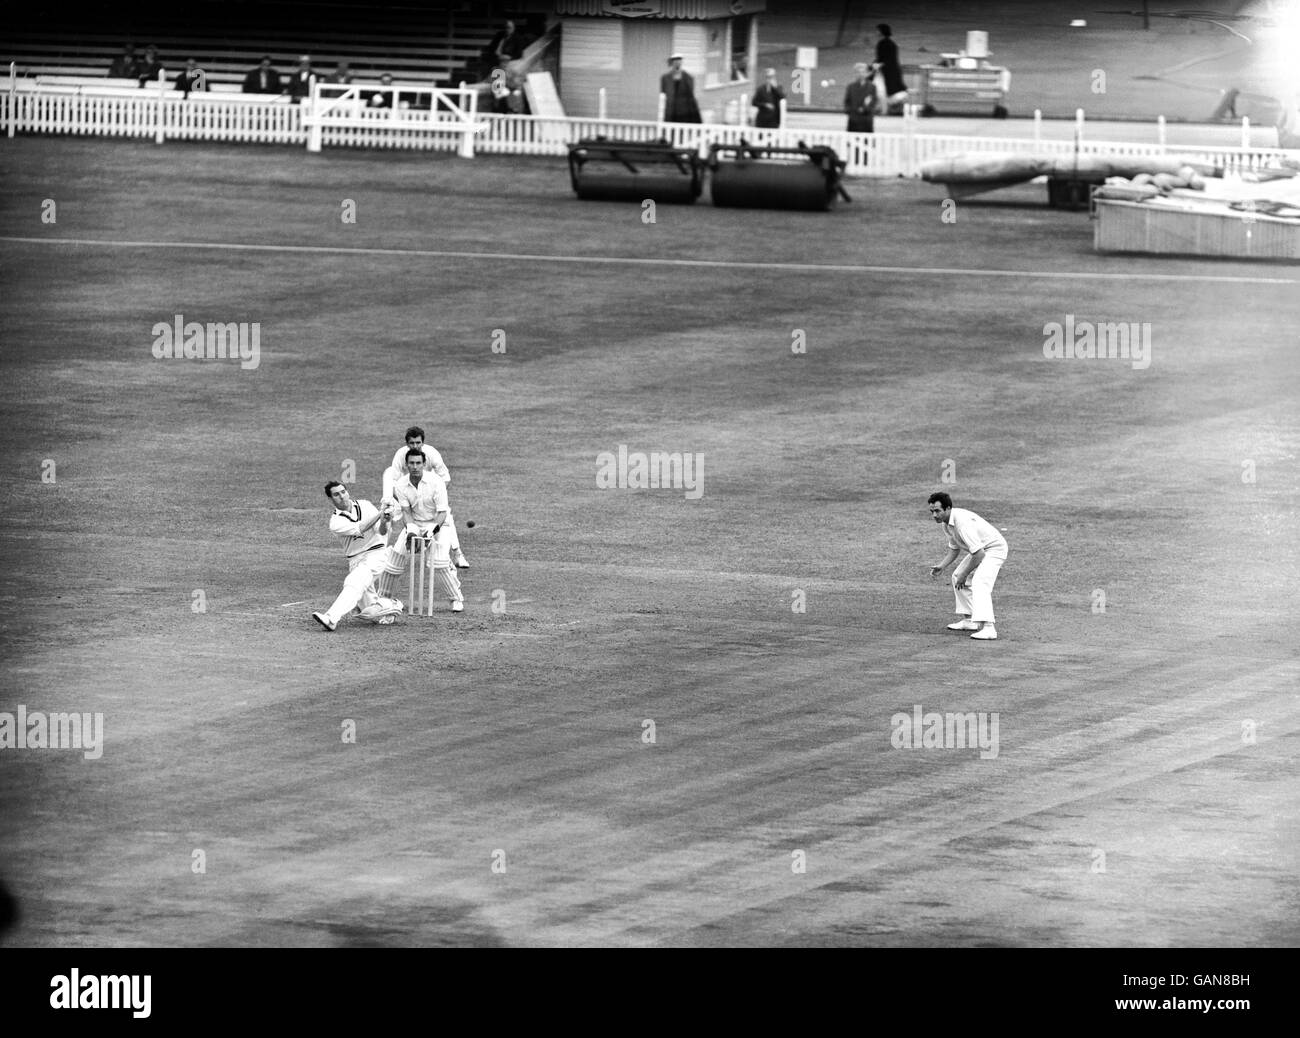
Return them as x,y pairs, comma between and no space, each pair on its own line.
359,586
977,603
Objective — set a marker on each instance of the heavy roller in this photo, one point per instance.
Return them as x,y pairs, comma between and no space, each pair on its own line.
761,177
630,171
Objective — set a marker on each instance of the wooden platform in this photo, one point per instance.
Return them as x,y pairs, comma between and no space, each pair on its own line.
1193,230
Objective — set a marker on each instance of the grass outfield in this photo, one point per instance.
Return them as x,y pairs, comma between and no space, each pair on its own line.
1155,739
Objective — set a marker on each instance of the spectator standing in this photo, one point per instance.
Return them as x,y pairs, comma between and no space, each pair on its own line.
341,74
678,89
767,101
126,65
263,79
509,44
890,69
860,101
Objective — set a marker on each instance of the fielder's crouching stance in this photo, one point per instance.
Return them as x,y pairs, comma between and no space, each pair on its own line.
972,580
423,500
363,529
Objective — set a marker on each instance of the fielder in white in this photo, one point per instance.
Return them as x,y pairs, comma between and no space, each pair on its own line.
363,529
422,497
433,464
972,581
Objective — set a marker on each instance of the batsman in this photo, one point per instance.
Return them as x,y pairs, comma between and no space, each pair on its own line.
422,497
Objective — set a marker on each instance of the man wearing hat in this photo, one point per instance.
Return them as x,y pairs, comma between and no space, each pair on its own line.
860,100
678,89
768,100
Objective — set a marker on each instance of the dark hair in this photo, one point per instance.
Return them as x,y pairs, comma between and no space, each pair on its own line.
414,430
415,452
329,488
885,30
942,498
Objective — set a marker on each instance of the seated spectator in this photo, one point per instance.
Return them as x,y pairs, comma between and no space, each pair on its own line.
192,77
126,65
381,98
300,80
341,74
148,69
263,79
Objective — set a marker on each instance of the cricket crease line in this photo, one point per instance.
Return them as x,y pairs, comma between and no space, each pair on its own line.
823,268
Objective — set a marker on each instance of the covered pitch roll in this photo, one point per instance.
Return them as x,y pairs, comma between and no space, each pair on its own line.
629,171
760,177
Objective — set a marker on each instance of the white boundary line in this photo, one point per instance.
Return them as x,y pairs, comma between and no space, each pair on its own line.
807,268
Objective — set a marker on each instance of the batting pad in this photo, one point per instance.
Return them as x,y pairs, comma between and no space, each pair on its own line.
446,579
384,607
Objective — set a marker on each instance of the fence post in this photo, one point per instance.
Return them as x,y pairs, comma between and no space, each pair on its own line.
911,162
13,95
1245,131
469,113
310,115
158,124
1160,133
1038,126
1078,127
600,104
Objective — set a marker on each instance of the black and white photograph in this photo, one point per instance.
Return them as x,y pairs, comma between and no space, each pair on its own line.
628,474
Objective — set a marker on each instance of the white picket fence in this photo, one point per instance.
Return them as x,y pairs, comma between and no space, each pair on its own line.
159,111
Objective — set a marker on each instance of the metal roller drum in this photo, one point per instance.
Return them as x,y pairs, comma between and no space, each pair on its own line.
612,185
770,185
631,171
751,177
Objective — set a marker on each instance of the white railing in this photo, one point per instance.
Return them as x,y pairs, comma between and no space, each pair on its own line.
348,116
341,116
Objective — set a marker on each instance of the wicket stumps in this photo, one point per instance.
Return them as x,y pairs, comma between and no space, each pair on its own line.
420,575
